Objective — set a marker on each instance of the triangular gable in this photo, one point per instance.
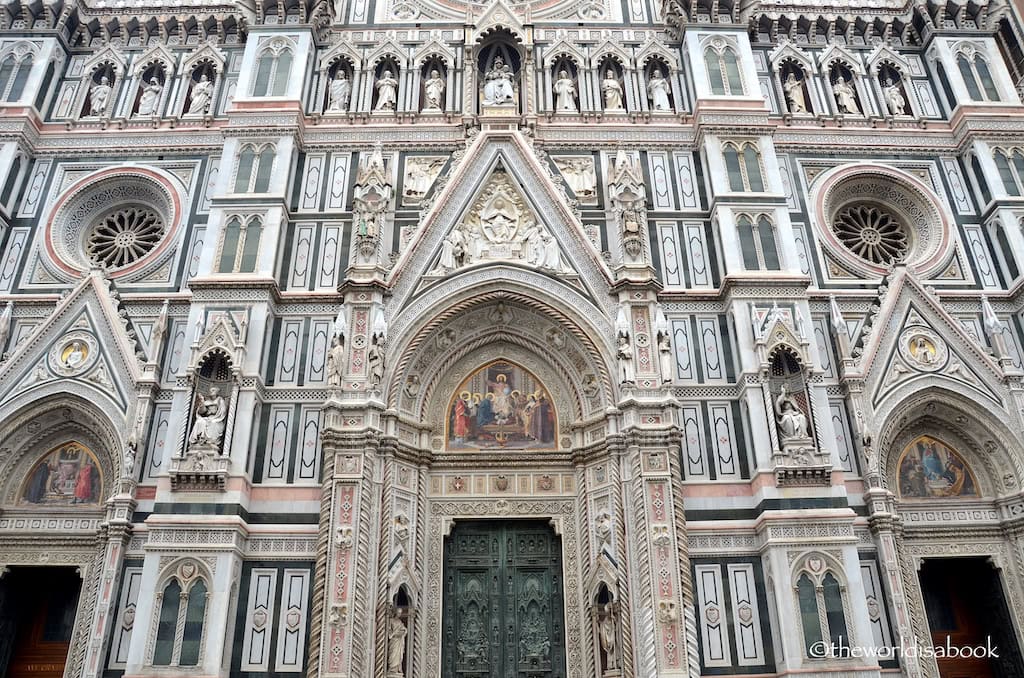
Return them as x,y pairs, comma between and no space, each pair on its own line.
836,52
788,50
496,17
207,52
84,340
914,337
531,181
155,53
882,54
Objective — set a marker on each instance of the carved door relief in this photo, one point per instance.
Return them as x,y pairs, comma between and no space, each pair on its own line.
503,609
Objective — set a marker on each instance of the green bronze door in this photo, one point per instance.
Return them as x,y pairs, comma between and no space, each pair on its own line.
503,601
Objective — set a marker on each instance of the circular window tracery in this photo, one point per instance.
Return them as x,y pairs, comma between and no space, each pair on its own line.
872,233
124,236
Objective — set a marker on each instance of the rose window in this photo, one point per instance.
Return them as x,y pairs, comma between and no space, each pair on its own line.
124,236
872,234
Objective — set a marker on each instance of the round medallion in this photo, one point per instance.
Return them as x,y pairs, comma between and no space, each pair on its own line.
923,349
73,354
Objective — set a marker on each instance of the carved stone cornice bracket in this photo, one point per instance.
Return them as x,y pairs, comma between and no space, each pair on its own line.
199,469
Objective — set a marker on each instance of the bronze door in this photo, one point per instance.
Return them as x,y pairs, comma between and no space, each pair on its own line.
503,610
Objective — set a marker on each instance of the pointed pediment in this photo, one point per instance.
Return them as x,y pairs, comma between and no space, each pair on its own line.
207,52
498,192
86,340
788,50
499,16
836,52
915,338
156,53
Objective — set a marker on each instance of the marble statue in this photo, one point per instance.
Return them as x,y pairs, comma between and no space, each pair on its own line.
396,646
76,356
607,633
210,415
498,88
795,93
565,93
375,359
611,89
130,450
150,99
791,419
387,92
202,92
580,175
624,354
341,90
99,95
433,89
658,92
336,362
420,174
666,360
845,95
894,97
452,251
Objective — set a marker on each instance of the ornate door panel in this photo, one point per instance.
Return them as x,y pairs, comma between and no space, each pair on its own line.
503,614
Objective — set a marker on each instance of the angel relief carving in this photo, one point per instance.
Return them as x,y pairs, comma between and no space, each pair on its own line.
500,227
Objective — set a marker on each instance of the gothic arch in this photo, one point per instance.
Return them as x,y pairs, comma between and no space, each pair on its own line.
975,431
31,431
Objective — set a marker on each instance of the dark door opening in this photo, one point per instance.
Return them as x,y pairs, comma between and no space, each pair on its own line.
37,617
503,607
966,608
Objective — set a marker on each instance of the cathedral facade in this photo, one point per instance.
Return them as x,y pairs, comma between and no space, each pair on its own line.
547,339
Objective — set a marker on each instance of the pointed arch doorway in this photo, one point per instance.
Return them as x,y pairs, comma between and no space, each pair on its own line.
503,613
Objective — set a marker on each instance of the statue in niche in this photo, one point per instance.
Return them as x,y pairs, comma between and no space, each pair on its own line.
433,90
792,421
658,91
150,98
201,96
396,645
607,634
211,412
624,355
611,89
794,89
99,95
846,97
130,450
336,361
565,93
894,97
666,360
498,88
375,359
387,93
341,91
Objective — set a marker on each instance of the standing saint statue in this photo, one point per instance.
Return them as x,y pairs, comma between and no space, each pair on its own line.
201,94
658,91
341,90
846,97
795,93
611,88
624,354
606,631
894,97
498,87
375,358
433,90
211,412
387,92
150,98
565,93
335,362
666,361
396,646
98,97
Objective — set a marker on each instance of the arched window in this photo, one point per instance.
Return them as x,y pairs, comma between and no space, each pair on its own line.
821,600
255,166
14,72
723,69
273,68
979,176
240,245
976,75
181,617
743,165
757,243
1006,174
12,180
1003,243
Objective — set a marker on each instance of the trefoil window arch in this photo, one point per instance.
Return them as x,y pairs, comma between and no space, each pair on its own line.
181,618
240,245
977,76
822,603
743,165
723,69
15,68
758,243
254,169
273,67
